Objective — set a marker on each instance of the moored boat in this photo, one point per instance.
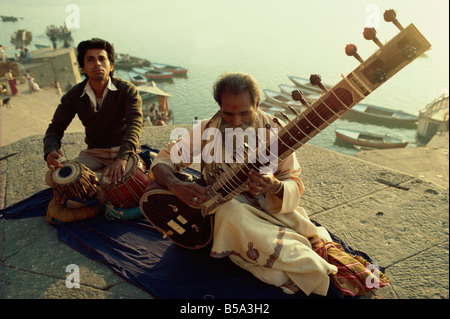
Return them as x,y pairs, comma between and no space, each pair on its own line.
153,74
305,84
280,99
270,108
275,110
128,62
373,113
10,18
369,140
310,96
41,46
137,79
59,32
169,68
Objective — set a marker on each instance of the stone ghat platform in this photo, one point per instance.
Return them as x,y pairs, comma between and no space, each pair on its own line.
398,219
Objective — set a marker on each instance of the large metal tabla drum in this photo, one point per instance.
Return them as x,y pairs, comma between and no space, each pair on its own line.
74,181
128,193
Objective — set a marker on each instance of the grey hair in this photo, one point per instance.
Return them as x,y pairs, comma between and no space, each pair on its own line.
236,83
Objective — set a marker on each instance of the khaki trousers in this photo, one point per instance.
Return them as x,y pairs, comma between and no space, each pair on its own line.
97,159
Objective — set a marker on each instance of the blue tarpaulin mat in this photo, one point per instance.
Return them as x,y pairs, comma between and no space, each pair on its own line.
135,251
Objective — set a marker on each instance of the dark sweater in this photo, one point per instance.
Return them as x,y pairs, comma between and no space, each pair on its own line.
117,123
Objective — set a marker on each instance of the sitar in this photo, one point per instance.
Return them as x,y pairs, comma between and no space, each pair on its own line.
192,227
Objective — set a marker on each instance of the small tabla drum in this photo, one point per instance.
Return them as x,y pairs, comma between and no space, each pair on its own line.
128,193
74,181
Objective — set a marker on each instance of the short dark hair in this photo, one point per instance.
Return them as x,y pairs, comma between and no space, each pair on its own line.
95,43
236,83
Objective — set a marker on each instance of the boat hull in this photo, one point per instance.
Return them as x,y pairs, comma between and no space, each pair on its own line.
153,74
280,99
368,140
137,79
305,84
169,68
127,62
380,115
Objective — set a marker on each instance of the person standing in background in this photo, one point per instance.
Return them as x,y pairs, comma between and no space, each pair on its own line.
12,82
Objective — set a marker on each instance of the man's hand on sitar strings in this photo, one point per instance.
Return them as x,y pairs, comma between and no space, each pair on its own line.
189,193
261,184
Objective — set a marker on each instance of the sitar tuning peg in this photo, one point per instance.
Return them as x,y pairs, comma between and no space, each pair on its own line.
285,117
277,121
391,16
352,50
297,95
371,34
294,111
316,79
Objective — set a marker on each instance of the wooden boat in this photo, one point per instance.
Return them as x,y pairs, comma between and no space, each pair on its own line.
137,79
10,18
128,62
280,99
41,46
369,140
169,68
310,96
270,108
60,32
153,74
305,84
275,110
373,113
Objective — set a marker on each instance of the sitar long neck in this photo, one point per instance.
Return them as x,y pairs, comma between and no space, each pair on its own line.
390,58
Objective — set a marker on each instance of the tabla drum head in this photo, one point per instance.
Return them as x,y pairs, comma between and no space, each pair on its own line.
66,174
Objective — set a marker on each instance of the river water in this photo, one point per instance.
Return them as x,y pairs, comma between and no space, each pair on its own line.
266,38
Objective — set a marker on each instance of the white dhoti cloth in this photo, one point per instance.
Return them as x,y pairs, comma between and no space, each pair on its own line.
264,245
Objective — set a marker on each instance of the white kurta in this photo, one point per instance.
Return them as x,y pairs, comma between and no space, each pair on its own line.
267,236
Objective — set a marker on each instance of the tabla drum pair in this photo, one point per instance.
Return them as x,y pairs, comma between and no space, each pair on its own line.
134,184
